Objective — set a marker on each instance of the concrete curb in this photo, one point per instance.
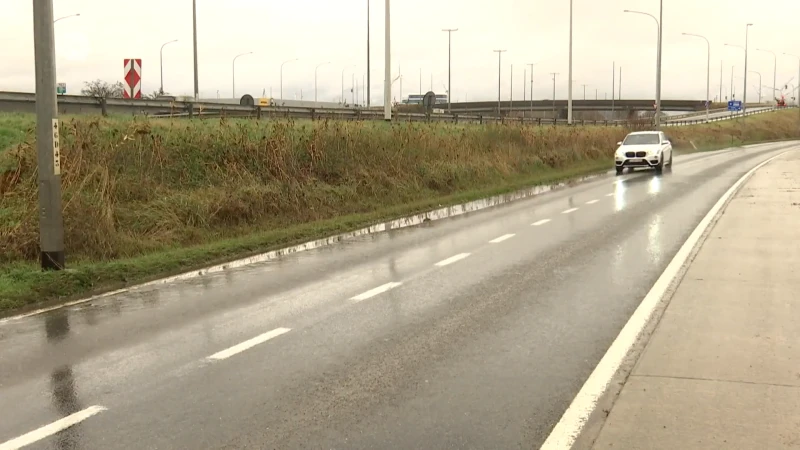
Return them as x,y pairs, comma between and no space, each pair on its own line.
403,222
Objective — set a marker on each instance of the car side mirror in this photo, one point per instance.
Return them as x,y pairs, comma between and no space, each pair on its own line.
619,143
668,142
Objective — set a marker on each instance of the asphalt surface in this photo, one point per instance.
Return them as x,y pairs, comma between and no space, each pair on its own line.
485,350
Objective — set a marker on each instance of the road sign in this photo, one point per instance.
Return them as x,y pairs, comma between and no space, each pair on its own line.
61,88
133,79
735,105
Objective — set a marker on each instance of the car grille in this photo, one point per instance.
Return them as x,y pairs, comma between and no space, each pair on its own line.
630,154
641,154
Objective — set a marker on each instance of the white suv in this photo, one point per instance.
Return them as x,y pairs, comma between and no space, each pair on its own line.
644,149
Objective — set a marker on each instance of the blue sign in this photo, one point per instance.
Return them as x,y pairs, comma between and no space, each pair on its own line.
735,105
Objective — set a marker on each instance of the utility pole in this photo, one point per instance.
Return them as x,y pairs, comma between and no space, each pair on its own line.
449,55
499,71
554,74
524,89
51,222
584,91
420,80
720,80
368,62
619,91
511,98
387,82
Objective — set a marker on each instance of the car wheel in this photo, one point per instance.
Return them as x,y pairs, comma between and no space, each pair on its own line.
619,170
670,159
660,167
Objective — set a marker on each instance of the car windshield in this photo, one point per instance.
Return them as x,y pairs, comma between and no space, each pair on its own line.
641,139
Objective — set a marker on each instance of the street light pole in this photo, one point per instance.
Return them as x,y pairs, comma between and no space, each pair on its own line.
797,96
287,61
531,64
368,62
387,84
234,71
161,64
658,61
315,79
499,70
746,43
774,71
347,67
584,90
194,39
554,92
759,84
569,92
51,222
449,54
708,74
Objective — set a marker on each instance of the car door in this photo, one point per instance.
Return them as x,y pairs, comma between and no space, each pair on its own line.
666,145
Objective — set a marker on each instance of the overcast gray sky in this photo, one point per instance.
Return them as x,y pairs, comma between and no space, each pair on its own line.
315,31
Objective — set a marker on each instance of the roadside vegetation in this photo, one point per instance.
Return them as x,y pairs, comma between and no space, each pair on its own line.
147,198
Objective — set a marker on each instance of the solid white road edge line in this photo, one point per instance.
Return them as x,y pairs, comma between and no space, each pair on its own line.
53,428
250,343
592,202
502,238
577,414
541,222
378,290
571,210
610,195
452,259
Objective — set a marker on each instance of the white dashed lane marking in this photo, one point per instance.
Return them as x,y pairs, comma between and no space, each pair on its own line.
250,343
502,238
592,202
452,259
51,429
378,290
571,210
540,223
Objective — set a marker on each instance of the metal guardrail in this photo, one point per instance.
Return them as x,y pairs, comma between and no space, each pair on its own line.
78,104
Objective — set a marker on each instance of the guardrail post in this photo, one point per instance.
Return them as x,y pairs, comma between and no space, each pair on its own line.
258,112
190,107
313,114
480,119
455,118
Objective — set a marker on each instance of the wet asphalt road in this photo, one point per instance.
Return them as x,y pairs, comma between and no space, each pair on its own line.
485,350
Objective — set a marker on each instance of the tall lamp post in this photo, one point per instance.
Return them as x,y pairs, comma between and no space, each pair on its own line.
234,70
797,96
759,84
708,73
387,70
315,79
569,83
774,70
499,71
161,64
531,64
449,55
343,70
658,60
746,42
282,64
194,48
368,63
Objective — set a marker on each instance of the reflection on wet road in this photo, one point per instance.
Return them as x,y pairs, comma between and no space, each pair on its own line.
471,332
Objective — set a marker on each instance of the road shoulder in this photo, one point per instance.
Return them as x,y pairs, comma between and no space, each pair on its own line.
720,370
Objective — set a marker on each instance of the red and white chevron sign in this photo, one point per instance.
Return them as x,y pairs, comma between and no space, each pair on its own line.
133,78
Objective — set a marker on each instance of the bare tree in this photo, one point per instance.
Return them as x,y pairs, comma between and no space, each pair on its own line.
101,91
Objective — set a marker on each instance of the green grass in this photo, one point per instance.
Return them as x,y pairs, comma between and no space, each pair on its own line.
150,198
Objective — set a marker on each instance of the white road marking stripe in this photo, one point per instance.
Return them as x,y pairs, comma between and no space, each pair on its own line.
376,291
53,428
250,343
610,195
592,202
567,430
541,222
502,238
571,210
452,259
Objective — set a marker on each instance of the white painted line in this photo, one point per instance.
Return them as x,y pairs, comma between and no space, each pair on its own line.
53,428
540,223
502,238
592,202
575,417
571,210
452,259
610,195
250,343
376,291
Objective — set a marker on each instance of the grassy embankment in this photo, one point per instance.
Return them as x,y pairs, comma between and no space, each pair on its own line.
147,198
